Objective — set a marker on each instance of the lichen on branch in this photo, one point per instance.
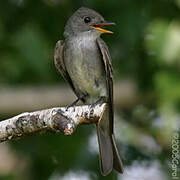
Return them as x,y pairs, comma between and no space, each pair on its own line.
58,119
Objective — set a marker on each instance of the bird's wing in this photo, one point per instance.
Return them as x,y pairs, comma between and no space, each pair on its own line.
59,62
105,128
109,78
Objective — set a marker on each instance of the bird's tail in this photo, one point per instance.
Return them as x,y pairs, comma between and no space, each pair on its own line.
105,151
117,162
109,155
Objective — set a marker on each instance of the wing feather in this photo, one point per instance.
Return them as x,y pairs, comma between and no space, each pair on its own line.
59,63
117,162
109,78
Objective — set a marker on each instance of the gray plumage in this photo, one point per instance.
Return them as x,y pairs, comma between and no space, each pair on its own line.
83,59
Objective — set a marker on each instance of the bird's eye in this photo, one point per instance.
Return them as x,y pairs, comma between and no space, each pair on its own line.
87,20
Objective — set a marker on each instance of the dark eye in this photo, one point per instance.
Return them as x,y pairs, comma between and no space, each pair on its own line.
87,20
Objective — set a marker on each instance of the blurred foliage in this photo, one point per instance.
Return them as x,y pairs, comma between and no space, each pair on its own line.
145,48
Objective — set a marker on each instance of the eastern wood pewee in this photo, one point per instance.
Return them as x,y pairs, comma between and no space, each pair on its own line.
83,59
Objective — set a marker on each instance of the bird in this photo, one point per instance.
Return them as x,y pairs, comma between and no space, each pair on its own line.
84,61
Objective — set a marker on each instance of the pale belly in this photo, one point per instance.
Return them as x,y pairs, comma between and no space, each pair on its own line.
86,70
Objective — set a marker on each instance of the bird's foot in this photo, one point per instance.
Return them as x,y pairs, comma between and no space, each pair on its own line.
73,104
99,101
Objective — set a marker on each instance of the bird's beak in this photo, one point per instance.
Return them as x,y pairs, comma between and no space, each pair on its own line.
99,27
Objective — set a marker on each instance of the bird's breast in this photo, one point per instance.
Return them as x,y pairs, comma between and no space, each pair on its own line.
84,65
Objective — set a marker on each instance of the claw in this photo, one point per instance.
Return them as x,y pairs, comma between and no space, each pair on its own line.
99,101
73,104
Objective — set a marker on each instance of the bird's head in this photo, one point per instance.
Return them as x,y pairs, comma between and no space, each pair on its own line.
86,20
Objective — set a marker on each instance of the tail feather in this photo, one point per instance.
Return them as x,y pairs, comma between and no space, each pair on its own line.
117,162
106,152
109,155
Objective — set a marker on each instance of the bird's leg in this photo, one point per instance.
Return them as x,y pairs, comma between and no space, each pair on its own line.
73,104
81,98
99,101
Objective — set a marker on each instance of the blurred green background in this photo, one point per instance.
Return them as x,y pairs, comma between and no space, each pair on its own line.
145,49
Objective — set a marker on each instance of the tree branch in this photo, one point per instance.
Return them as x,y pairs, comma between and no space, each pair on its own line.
54,119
